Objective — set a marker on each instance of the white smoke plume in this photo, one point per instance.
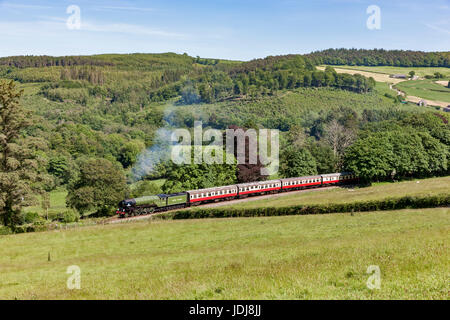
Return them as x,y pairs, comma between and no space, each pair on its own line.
147,162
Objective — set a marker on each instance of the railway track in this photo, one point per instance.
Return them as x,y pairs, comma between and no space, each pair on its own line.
116,220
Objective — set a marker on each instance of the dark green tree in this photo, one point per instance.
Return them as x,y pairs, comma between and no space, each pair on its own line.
18,169
99,187
129,152
297,163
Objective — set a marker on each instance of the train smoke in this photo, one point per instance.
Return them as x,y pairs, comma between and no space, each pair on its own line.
160,152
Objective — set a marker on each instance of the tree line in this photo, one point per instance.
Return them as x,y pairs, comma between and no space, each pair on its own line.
380,57
265,77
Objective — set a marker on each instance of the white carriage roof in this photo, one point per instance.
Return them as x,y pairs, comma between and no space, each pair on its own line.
336,174
212,189
257,183
302,178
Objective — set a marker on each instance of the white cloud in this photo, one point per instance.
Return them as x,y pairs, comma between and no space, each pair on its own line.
57,26
129,29
437,28
124,8
22,6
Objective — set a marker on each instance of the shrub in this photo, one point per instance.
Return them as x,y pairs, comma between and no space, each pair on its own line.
67,216
30,217
70,216
5,231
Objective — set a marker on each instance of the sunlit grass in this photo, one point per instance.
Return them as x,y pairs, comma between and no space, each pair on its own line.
377,191
420,71
57,203
295,257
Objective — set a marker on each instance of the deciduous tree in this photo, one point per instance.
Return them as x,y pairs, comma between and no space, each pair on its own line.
100,186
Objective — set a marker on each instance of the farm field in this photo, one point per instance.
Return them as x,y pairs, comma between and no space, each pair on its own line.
426,89
416,90
420,71
378,76
344,195
295,257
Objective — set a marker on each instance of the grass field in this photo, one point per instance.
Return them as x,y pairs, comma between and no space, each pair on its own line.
426,89
378,76
295,257
436,94
420,71
383,88
57,203
343,195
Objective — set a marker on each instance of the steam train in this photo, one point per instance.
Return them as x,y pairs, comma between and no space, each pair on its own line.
164,202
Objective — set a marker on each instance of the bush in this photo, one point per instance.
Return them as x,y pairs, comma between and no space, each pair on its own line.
5,231
30,217
67,216
70,216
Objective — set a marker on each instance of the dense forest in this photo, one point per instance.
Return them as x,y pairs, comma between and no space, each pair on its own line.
87,122
380,57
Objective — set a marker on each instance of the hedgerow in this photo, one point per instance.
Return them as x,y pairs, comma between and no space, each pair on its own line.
408,202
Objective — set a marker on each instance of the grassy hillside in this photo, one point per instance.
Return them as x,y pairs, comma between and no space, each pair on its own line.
297,107
426,89
297,257
420,71
111,107
378,191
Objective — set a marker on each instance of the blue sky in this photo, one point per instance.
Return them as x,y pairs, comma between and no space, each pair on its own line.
230,29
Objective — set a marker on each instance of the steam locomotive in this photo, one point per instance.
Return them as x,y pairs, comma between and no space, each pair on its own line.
164,202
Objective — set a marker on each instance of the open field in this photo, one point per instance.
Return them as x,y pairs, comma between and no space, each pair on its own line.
295,257
420,71
426,89
379,77
343,195
57,203
416,90
442,83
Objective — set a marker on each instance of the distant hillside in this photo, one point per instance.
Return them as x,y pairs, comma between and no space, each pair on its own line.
111,106
380,57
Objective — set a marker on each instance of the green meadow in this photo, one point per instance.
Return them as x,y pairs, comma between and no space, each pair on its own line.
420,71
426,89
294,257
